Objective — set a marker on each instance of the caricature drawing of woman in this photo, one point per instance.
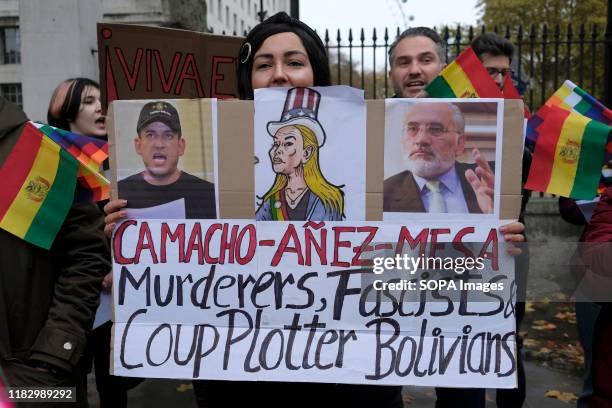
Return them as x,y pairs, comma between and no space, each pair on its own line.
300,191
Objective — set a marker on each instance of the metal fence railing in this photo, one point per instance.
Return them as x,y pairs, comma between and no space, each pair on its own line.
544,58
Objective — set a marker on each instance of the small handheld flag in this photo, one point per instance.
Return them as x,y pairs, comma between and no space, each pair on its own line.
465,77
571,97
568,154
40,181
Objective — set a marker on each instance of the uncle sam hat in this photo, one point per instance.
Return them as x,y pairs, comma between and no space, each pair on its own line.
301,108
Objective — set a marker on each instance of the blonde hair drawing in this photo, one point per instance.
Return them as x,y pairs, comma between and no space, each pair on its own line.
330,195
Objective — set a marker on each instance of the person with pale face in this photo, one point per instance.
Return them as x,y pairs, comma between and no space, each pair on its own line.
416,57
282,61
160,148
495,52
75,106
90,121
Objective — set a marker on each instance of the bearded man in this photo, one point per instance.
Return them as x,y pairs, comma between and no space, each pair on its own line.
433,137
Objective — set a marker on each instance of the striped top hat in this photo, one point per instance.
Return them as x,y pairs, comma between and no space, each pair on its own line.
301,108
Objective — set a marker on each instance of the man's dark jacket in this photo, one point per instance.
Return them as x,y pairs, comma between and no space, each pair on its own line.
48,298
401,192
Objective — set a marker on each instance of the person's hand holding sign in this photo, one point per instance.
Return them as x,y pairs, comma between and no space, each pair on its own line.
113,212
482,182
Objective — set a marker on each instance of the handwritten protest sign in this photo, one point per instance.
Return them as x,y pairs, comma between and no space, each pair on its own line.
138,62
282,301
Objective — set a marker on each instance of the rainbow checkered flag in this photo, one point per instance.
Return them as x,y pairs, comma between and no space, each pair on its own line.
90,152
571,97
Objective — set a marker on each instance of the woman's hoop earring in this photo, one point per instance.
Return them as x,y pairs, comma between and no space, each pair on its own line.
248,53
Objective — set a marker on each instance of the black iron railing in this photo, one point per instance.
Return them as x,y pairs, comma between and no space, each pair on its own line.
545,57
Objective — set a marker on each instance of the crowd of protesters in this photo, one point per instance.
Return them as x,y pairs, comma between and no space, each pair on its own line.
48,298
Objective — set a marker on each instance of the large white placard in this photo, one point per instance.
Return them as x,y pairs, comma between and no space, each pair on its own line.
282,301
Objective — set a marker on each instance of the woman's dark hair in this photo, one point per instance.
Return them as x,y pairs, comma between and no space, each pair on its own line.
66,101
281,23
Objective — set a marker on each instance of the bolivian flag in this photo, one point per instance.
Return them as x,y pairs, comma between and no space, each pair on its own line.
278,206
568,154
510,92
38,184
465,77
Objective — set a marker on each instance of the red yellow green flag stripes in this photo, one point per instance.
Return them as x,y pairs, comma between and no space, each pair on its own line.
568,155
510,92
465,77
278,206
39,179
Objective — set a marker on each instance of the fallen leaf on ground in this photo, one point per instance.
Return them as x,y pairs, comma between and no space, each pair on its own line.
561,396
543,326
184,387
569,317
530,343
407,398
540,322
529,307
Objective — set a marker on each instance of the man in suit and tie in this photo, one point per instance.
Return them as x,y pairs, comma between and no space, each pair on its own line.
433,137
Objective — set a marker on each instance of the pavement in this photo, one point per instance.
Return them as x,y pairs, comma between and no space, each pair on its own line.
154,393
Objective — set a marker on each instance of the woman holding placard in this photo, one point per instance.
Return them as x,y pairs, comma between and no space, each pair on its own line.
284,52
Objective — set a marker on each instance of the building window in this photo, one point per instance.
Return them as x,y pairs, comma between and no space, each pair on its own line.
10,45
12,93
249,7
212,8
242,4
227,16
235,22
219,11
241,27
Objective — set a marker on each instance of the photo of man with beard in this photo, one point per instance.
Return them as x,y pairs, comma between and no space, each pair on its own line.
433,137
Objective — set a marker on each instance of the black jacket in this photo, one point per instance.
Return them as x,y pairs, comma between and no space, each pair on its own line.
48,297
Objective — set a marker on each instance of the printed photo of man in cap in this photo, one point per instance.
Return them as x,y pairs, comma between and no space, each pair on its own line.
160,143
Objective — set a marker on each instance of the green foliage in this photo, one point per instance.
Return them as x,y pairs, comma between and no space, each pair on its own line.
551,12
565,38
